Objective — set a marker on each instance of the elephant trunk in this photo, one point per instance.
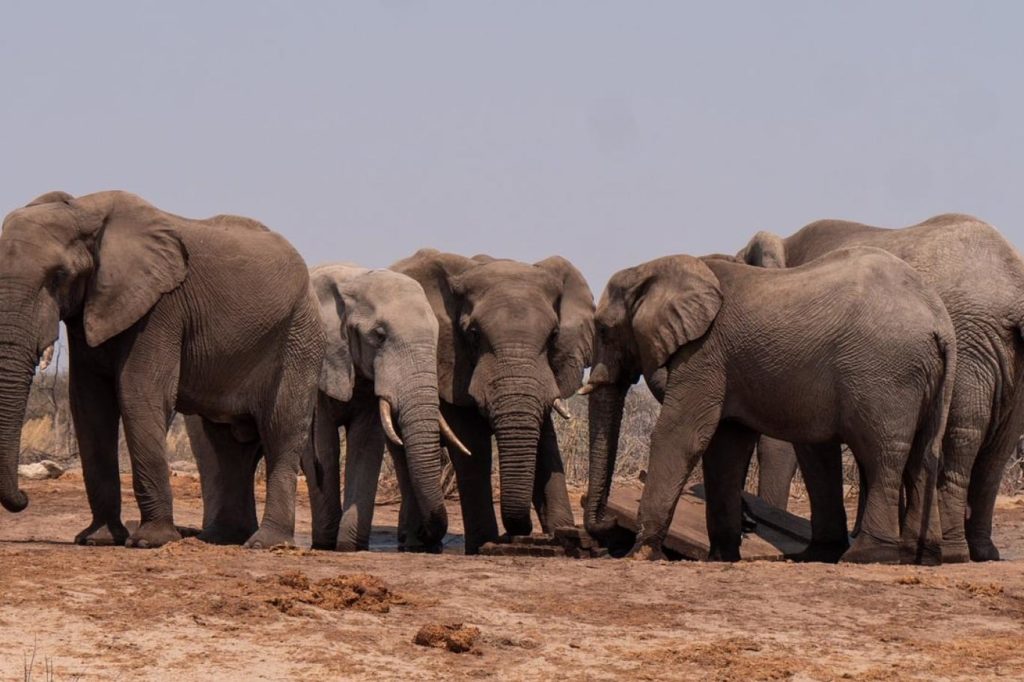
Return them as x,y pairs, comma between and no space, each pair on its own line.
605,408
418,417
517,415
17,366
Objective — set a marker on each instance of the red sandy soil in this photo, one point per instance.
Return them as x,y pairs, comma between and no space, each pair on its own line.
190,611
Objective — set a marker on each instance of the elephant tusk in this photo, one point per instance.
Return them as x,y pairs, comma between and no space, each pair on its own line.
585,389
46,358
561,409
385,420
450,436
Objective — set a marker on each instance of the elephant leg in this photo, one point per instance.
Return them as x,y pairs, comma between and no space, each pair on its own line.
883,465
227,470
688,420
364,452
321,463
95,413
862,499
822,467
550,495
966,429
986,476
725,470
921,536
776,467
473,476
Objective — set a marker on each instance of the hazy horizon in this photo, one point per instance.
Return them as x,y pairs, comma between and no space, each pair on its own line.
610,133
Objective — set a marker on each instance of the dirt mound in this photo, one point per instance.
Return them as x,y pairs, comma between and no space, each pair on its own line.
454,637
193,545
358,591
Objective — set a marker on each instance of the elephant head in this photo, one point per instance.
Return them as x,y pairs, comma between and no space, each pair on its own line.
103,259
646,314
765,250
514,339
381,329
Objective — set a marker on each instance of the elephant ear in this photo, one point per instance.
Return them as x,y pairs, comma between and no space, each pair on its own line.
54,197
337,373
765,250
139,258
574,344
674,302
434,271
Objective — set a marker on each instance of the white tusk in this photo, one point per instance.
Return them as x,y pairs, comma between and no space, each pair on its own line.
561,409
450,436
385,420
46,358
585,389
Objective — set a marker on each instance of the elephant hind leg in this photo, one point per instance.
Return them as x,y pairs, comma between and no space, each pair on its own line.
776,466
986,476
725,470
883,462
227,469
921,540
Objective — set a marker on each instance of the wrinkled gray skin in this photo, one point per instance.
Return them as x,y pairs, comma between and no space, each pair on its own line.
724,331
381,344
980,278
512,338
207,317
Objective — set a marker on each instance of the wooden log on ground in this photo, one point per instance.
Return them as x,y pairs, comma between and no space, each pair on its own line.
777,535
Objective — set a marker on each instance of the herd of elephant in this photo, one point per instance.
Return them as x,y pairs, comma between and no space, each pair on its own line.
903,344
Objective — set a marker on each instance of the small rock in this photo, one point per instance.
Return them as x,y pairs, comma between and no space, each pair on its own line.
41,470
454,637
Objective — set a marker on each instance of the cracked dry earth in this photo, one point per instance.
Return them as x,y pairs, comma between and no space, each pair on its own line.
190,611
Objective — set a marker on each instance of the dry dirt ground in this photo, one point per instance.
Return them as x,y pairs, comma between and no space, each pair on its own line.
195,612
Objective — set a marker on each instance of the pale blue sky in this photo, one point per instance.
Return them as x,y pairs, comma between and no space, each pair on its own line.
610,133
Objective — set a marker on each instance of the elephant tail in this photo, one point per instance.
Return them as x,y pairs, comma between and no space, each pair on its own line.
934,427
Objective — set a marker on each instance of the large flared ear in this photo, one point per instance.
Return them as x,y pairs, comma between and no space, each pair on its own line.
139,258
435,271
674,301
573,346
765,250
337,373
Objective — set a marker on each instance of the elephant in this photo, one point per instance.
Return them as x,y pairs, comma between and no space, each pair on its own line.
379,367
724,331
210,317
513,340
980,278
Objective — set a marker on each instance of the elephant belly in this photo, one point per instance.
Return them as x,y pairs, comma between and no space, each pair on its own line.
801,415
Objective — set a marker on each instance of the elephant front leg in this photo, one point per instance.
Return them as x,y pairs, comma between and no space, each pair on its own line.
688,419
364,451
95,413
822,468
145,430
725,469
227,470
550,495
473,477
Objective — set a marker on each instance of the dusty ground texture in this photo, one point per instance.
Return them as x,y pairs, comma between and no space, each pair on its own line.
191,611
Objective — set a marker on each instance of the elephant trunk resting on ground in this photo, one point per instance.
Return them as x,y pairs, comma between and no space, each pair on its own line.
207,317
725,331
980,278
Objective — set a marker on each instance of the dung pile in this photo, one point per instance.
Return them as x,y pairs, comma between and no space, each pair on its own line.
356,591
454,637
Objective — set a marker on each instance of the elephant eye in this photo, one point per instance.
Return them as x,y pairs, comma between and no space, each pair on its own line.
473,334
379,334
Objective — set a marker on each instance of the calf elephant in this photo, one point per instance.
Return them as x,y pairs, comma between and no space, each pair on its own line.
815,334
207,317
513,339
980,279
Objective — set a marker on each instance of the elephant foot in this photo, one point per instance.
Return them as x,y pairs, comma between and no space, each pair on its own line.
267,537
867,549
926,554
724,551
648,550
435,548
103,534
822,552
955,552
225,535
983,550
350,546
152,534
